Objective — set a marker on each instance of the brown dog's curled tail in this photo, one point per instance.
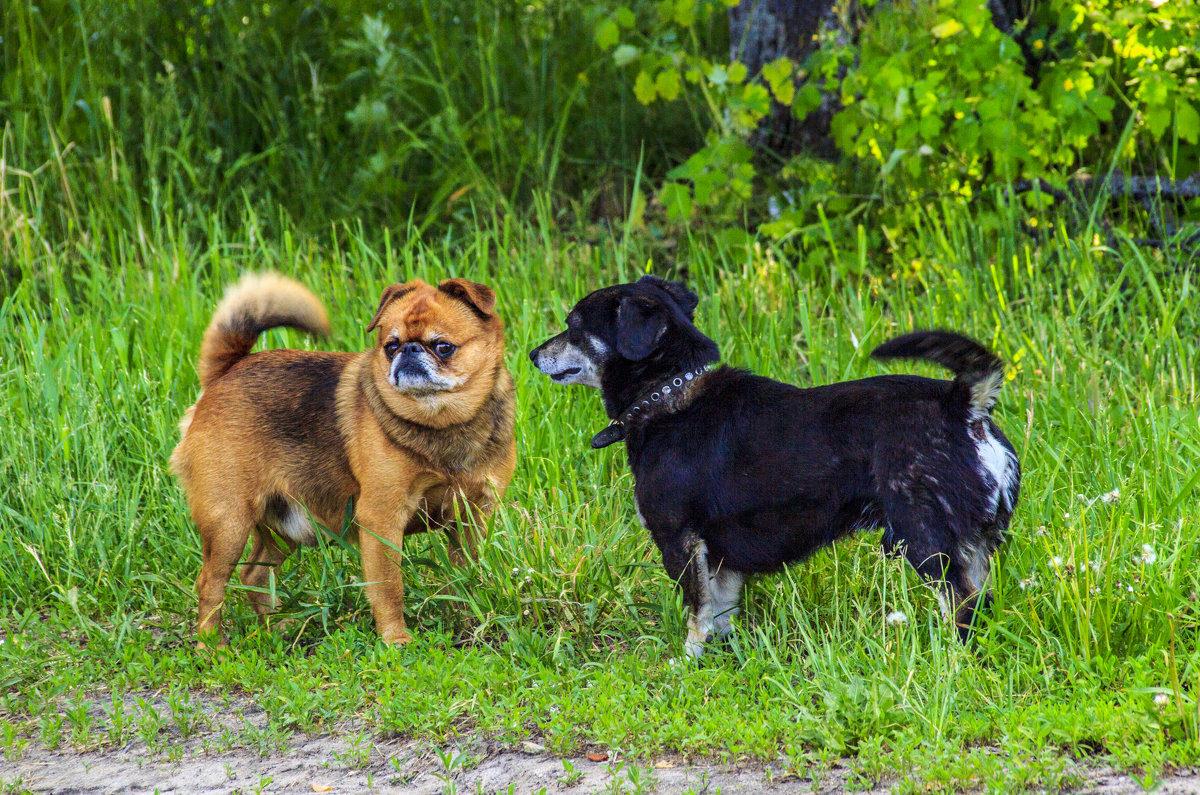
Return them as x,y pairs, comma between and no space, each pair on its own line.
976,368
258,302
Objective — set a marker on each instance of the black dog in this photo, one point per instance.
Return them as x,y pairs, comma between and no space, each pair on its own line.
738,474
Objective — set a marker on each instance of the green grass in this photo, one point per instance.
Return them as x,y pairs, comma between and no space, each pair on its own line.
564,630
137,180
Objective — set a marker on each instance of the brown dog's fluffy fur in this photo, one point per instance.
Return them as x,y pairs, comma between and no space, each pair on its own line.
281,438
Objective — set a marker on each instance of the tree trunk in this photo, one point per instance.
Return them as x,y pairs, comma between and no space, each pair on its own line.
761,31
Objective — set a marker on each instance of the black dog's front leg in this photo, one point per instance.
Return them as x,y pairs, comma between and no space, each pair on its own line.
685,557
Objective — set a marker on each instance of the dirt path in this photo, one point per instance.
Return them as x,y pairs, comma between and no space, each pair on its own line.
230,751
314,764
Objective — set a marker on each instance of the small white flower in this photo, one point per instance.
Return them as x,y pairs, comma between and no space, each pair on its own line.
896,617
1095,566
1056,561
1148,554
925,150
1129,588
1162,699
1111,496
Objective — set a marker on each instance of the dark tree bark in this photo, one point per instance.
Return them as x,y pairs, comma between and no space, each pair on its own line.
761,31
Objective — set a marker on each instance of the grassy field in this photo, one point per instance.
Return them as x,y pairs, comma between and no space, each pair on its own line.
150,155
563,632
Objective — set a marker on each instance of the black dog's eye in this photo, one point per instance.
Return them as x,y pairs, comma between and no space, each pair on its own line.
390,347
444,349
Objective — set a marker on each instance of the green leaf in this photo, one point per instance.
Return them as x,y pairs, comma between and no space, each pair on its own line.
607,33
624,54
643,88
1157,119
685,12
677,199
807,100
778,75
1187,121
667,84
625,17
757,101
947,28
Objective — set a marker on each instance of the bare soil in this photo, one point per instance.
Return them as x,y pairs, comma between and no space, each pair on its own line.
216,759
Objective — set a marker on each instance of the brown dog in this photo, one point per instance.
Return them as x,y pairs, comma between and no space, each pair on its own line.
418,430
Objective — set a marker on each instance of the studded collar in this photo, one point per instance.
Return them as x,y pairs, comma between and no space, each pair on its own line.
666,399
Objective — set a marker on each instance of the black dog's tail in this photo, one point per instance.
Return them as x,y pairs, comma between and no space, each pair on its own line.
974,366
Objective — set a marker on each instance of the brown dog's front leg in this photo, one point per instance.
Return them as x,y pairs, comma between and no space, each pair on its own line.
380,539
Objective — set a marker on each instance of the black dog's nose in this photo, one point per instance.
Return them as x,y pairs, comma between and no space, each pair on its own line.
411,348
533,354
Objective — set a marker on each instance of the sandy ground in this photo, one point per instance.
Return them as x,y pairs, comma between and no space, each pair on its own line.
351,760
313,765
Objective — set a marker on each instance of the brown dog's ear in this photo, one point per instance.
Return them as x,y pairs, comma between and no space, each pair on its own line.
477,296
390,293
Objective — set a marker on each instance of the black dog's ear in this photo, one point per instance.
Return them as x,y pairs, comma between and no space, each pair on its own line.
686,299
641,322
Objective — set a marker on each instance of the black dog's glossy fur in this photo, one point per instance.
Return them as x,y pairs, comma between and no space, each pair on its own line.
750,474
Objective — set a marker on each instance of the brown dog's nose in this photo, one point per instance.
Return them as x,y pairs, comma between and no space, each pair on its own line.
411,348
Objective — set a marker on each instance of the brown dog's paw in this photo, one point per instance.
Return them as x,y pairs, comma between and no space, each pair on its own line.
214,643
397,637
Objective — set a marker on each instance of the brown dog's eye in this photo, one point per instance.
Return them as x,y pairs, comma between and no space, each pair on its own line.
444,349
390,348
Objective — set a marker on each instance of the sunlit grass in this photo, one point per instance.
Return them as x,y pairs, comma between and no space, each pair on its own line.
565,628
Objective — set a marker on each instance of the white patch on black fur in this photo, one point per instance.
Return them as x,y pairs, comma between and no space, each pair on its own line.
976,566
700,622
725,585
998,466
984,393
569,364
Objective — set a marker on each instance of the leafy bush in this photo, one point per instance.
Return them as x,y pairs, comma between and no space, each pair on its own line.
933,91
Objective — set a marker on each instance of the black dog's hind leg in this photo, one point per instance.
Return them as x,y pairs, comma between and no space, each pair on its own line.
685,557
725,587
957,569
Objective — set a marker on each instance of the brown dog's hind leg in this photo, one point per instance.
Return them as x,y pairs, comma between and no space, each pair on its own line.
223,543
267,555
